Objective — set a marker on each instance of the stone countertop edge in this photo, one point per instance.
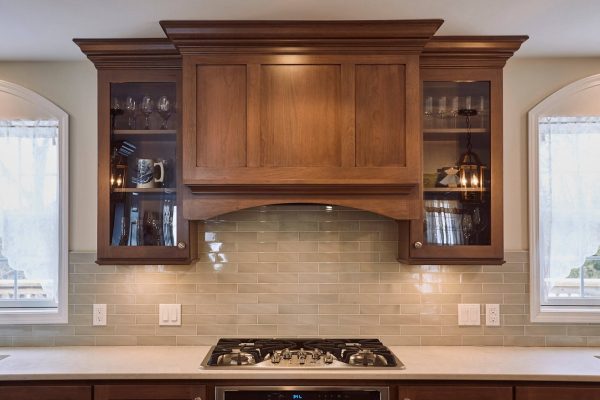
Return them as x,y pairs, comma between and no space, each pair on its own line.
573,364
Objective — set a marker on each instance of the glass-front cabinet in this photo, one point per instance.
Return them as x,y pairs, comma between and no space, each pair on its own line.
140,217
462,169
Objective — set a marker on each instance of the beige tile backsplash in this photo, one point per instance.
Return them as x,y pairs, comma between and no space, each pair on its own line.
298,270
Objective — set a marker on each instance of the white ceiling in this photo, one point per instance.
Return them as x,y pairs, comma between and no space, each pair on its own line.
44,29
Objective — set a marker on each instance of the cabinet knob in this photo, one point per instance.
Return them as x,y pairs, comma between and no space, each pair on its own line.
181,245
417,245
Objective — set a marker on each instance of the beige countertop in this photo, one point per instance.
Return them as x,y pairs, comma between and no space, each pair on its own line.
428,362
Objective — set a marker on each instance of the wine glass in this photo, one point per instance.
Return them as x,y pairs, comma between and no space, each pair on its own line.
115,109
467,227
480,222
147,108
164,109
131,107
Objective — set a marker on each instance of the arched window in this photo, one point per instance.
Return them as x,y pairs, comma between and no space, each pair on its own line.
564,204
33,208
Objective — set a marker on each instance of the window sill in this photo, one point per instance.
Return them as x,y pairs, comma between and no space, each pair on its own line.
21,316
565,314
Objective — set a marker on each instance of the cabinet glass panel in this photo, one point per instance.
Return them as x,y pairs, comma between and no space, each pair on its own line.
143,181
456,163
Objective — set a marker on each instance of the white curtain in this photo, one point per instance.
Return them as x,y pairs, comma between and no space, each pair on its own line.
29,170
569,162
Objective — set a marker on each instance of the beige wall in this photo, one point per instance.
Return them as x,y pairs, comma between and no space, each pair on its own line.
72,86
526,83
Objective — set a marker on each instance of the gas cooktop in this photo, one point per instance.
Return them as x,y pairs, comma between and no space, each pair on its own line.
301,353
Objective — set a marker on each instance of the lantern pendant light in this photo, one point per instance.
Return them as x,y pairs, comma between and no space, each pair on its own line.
470,167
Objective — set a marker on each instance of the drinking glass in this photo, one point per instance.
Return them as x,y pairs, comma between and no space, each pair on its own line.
454,111
467,227
442,112
147,108
164,109
115,109
131,107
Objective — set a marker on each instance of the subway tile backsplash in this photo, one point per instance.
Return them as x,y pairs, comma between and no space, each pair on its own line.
298,270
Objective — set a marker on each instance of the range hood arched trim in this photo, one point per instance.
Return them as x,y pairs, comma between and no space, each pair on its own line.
399,202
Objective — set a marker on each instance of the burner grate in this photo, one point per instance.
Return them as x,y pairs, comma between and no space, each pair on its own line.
244,351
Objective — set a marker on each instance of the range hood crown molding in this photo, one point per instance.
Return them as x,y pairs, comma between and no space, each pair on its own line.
301,37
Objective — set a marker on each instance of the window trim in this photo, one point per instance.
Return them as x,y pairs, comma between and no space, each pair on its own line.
537,311
58,315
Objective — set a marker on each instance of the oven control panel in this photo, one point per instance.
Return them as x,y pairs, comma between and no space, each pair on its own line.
301,393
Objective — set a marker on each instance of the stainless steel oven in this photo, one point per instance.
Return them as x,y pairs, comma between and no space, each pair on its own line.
301,393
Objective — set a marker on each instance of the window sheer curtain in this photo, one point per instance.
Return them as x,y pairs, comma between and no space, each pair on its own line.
569,198
29,171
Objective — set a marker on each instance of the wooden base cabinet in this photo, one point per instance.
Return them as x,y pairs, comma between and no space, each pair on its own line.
557,393
41,392
455,392
150,392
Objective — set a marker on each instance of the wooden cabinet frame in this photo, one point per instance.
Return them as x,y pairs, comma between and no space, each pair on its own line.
464,59
121,61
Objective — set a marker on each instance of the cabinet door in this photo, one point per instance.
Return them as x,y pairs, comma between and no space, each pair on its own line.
299,119
462,169
557,393
149,392
455,393
139,172
31,392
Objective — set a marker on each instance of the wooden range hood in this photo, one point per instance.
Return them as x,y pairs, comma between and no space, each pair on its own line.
301,112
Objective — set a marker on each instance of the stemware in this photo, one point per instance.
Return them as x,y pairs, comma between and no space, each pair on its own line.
442,112
467,227
131,107
164,109
115,109
147,109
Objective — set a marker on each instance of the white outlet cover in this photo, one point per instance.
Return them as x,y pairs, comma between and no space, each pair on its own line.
169,314
99,315
469,314
492,314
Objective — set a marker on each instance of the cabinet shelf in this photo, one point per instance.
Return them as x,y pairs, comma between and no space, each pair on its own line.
144,132
458,190
145,190
454,131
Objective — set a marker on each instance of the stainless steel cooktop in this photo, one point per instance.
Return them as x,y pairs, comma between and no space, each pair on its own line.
301,353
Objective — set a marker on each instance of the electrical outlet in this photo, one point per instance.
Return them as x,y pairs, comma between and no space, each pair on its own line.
99,315
492,314
469,314
169,314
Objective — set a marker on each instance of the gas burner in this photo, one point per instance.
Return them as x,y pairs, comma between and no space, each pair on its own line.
367,358
301,353
236,358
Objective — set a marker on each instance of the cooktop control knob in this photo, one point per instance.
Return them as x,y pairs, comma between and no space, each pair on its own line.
276,357
328,358
287,354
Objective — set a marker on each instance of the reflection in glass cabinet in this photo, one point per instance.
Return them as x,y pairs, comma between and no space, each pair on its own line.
143,181
457,155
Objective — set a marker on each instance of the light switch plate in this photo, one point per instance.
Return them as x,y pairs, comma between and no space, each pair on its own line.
99,315
469,314
492,314
169,314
